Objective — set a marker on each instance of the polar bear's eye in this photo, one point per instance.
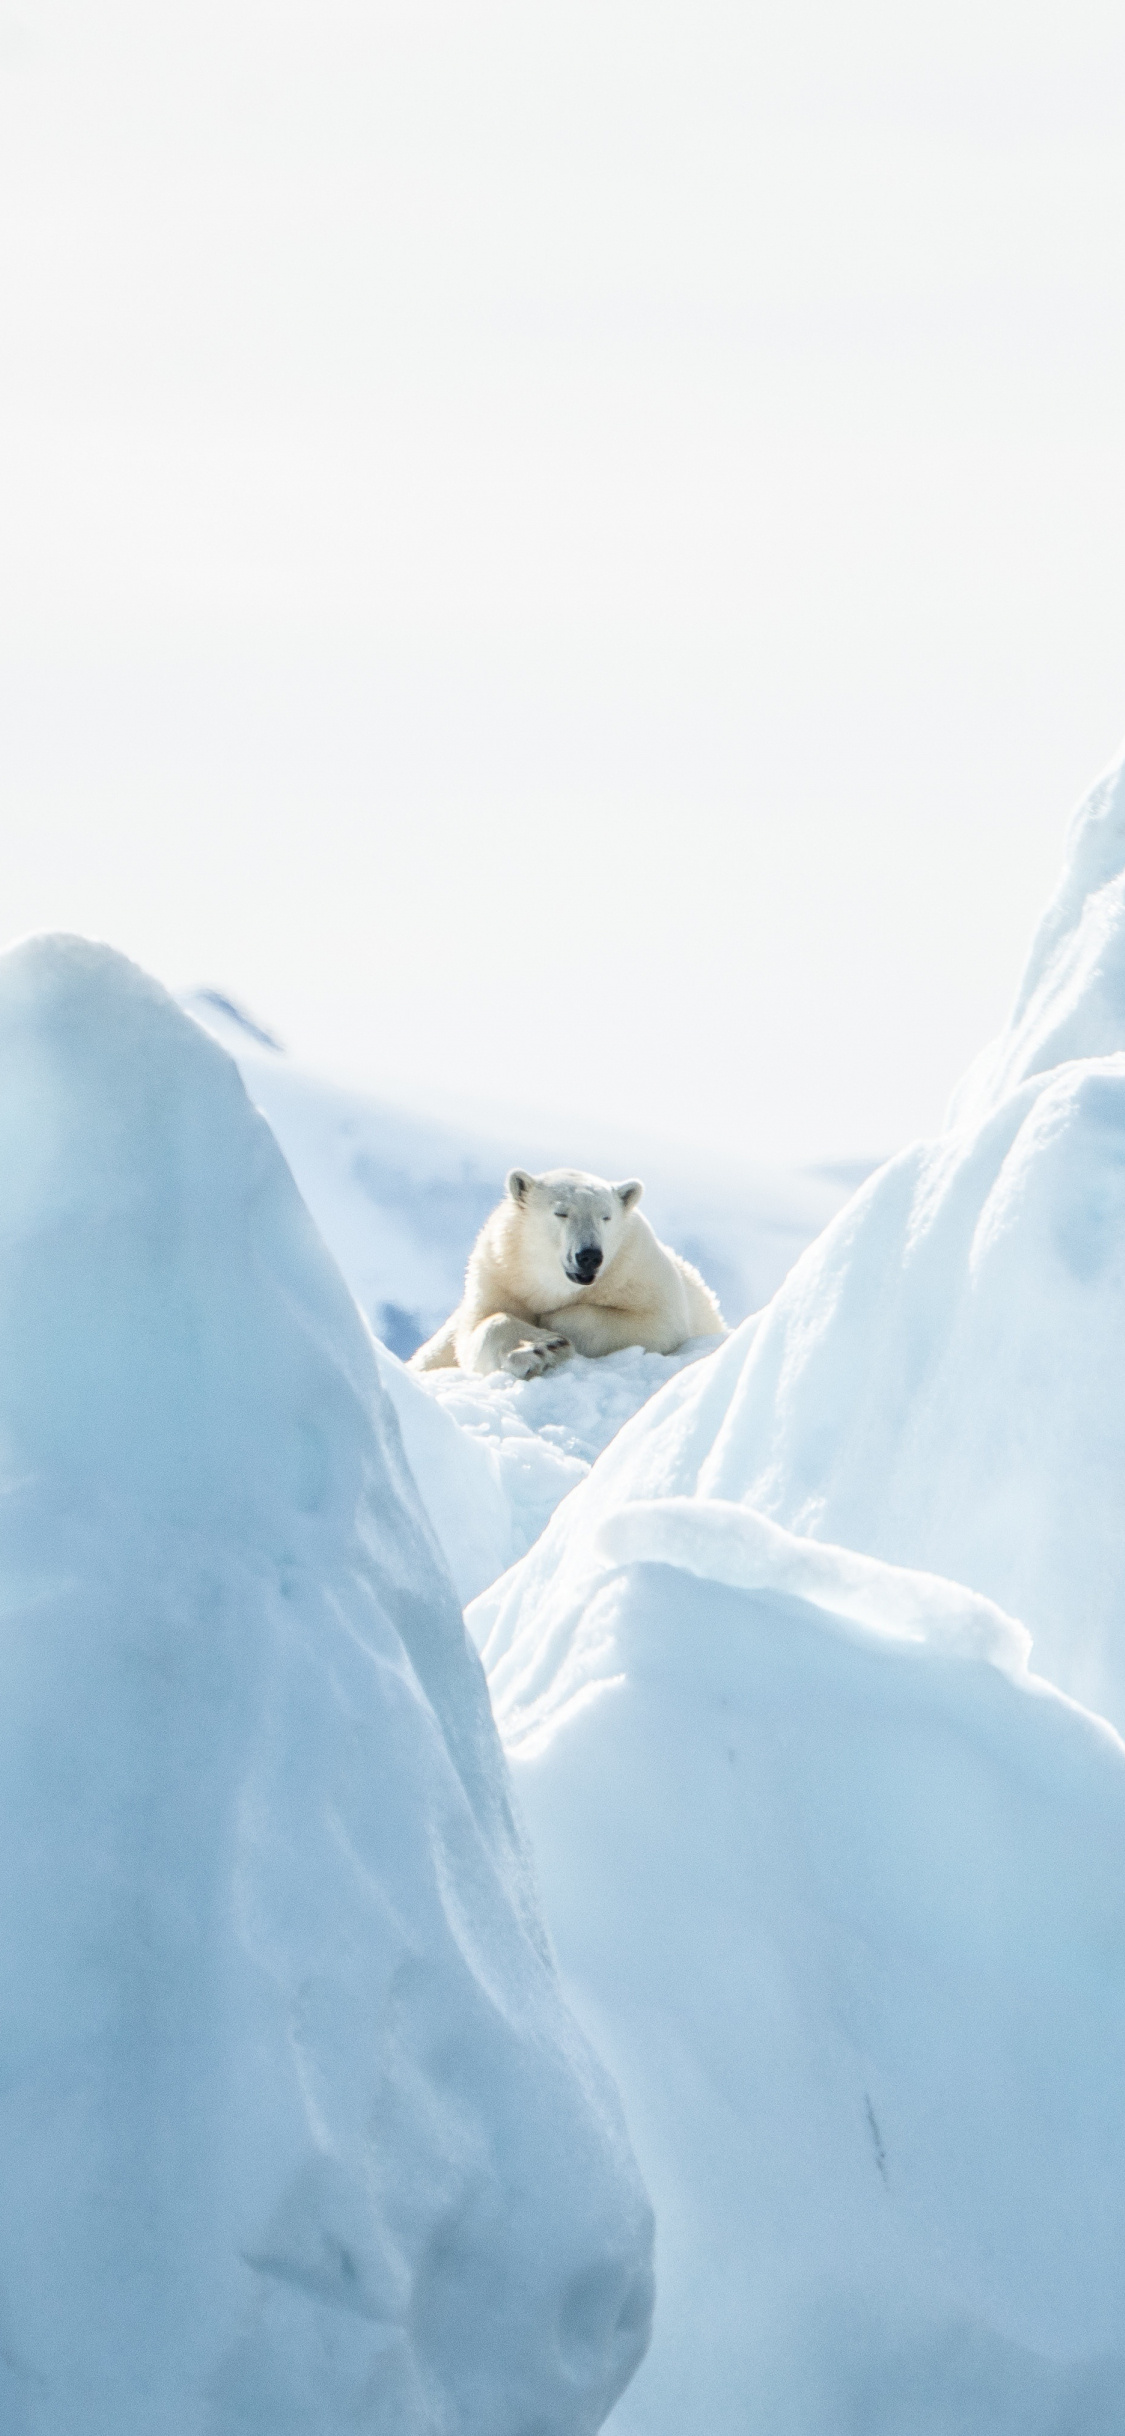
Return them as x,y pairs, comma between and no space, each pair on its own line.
560,1213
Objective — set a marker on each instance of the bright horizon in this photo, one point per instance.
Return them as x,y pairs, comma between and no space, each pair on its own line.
566,564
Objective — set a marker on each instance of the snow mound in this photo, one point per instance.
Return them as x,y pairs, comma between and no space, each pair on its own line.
1071,1001
940,1382
296,2131
835,1881
838,1888
494,1456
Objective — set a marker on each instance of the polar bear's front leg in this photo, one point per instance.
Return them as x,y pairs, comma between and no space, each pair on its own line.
528,1360
515,1345
595,1328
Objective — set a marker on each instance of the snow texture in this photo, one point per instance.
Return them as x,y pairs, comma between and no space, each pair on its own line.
296,2132
840,1891
493,1456
1071,1001
837,1884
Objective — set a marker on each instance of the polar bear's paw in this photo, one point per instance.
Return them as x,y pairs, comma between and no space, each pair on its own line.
529,1361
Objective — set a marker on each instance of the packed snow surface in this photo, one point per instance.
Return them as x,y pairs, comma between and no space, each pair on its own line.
840,1891
837,1883
296,2131
494,1455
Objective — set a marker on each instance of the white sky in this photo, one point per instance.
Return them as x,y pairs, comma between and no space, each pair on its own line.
568,555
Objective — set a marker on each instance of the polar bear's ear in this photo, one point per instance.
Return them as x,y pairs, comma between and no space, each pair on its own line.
518,1183
629,1194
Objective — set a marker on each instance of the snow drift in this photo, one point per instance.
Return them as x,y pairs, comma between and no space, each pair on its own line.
296,2133
834,1879
493,1456
840,1891
940,1382
1071,1000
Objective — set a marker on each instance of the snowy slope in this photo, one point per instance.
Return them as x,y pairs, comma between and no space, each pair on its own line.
840,1890
834,1879
1071,1000
494,1456
941,1379
295,2130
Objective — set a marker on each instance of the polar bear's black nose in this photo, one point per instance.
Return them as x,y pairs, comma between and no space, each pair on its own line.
587,1262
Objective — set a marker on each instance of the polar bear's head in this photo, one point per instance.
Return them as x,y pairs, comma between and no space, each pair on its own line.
577,1217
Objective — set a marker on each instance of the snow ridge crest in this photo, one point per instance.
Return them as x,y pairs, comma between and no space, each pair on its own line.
1071,999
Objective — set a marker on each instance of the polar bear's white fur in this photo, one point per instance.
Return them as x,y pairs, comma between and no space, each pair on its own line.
566,1264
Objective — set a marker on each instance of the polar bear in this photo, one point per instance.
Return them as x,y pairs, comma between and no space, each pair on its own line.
566,1264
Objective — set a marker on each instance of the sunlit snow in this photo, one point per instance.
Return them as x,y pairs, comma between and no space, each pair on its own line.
296,2131
836,1879
806,1652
